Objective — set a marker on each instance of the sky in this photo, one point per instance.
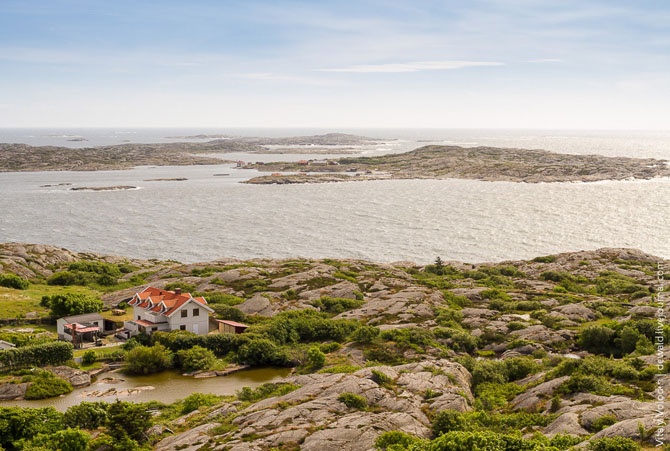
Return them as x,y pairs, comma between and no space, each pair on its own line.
525,64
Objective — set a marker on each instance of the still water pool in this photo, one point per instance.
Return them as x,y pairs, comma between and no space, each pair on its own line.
166,387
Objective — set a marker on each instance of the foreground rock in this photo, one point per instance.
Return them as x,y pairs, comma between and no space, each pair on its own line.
313,417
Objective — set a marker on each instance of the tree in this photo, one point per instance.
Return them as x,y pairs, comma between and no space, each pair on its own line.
71,304
128,420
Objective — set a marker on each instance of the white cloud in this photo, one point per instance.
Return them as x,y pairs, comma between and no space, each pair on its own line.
418,66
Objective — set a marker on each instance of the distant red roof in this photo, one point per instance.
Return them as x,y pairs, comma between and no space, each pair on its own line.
143,322
162,301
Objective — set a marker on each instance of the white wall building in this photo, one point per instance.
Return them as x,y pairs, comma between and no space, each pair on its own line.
155,309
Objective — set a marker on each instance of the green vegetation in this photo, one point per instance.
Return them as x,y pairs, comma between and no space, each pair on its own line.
53,353
13,281
44,384
353,401
71,304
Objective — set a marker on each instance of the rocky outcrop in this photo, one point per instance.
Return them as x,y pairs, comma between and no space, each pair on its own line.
313,416
9,391
75,377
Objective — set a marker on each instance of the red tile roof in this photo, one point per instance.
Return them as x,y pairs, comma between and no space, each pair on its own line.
80,329
162,301
143,322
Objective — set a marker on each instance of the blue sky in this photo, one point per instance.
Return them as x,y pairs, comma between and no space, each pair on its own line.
362,63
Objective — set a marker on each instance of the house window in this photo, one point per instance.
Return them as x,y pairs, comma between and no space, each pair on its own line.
196,312
184,313
182,327
138,317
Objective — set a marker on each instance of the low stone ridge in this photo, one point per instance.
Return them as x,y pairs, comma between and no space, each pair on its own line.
479,163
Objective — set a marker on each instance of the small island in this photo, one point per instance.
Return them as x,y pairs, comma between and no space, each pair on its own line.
478,163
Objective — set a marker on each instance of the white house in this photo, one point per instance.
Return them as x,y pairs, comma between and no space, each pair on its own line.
81,328
156,309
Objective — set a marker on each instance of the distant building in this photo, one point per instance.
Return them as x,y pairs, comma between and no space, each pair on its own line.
230,327
156,309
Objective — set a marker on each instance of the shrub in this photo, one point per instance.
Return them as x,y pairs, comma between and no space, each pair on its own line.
71,304
147,359
365,334
602,422
261,351
47,385
195,359
597,339
381,378
492,371
480,440
613,444
336,305
196,400
353,401
315,358
13,281
86,415
88,358
265,391
520,367
447,421
52,353
401,440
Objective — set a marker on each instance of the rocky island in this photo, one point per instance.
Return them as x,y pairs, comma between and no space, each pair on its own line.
479,163
22,157
549,353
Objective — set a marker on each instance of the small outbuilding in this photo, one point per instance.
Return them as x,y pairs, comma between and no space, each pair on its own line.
230,327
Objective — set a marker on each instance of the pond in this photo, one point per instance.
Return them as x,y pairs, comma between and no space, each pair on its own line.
166,387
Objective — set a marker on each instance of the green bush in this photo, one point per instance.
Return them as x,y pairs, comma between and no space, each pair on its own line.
52,353
401,440
315,358
71,304
265,391
65,440
602,422
195,359
261,351
47,385
365,334
88,358
380,378
86,415
353,401
493,371
147,359
613,444
196,400
449,420
336,305
598,339
13,281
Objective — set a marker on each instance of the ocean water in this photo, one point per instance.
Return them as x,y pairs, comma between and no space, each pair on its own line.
208,217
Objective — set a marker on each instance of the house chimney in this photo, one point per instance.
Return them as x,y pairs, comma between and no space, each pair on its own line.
177,291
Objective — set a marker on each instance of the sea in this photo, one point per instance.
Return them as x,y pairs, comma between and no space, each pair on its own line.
211,215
